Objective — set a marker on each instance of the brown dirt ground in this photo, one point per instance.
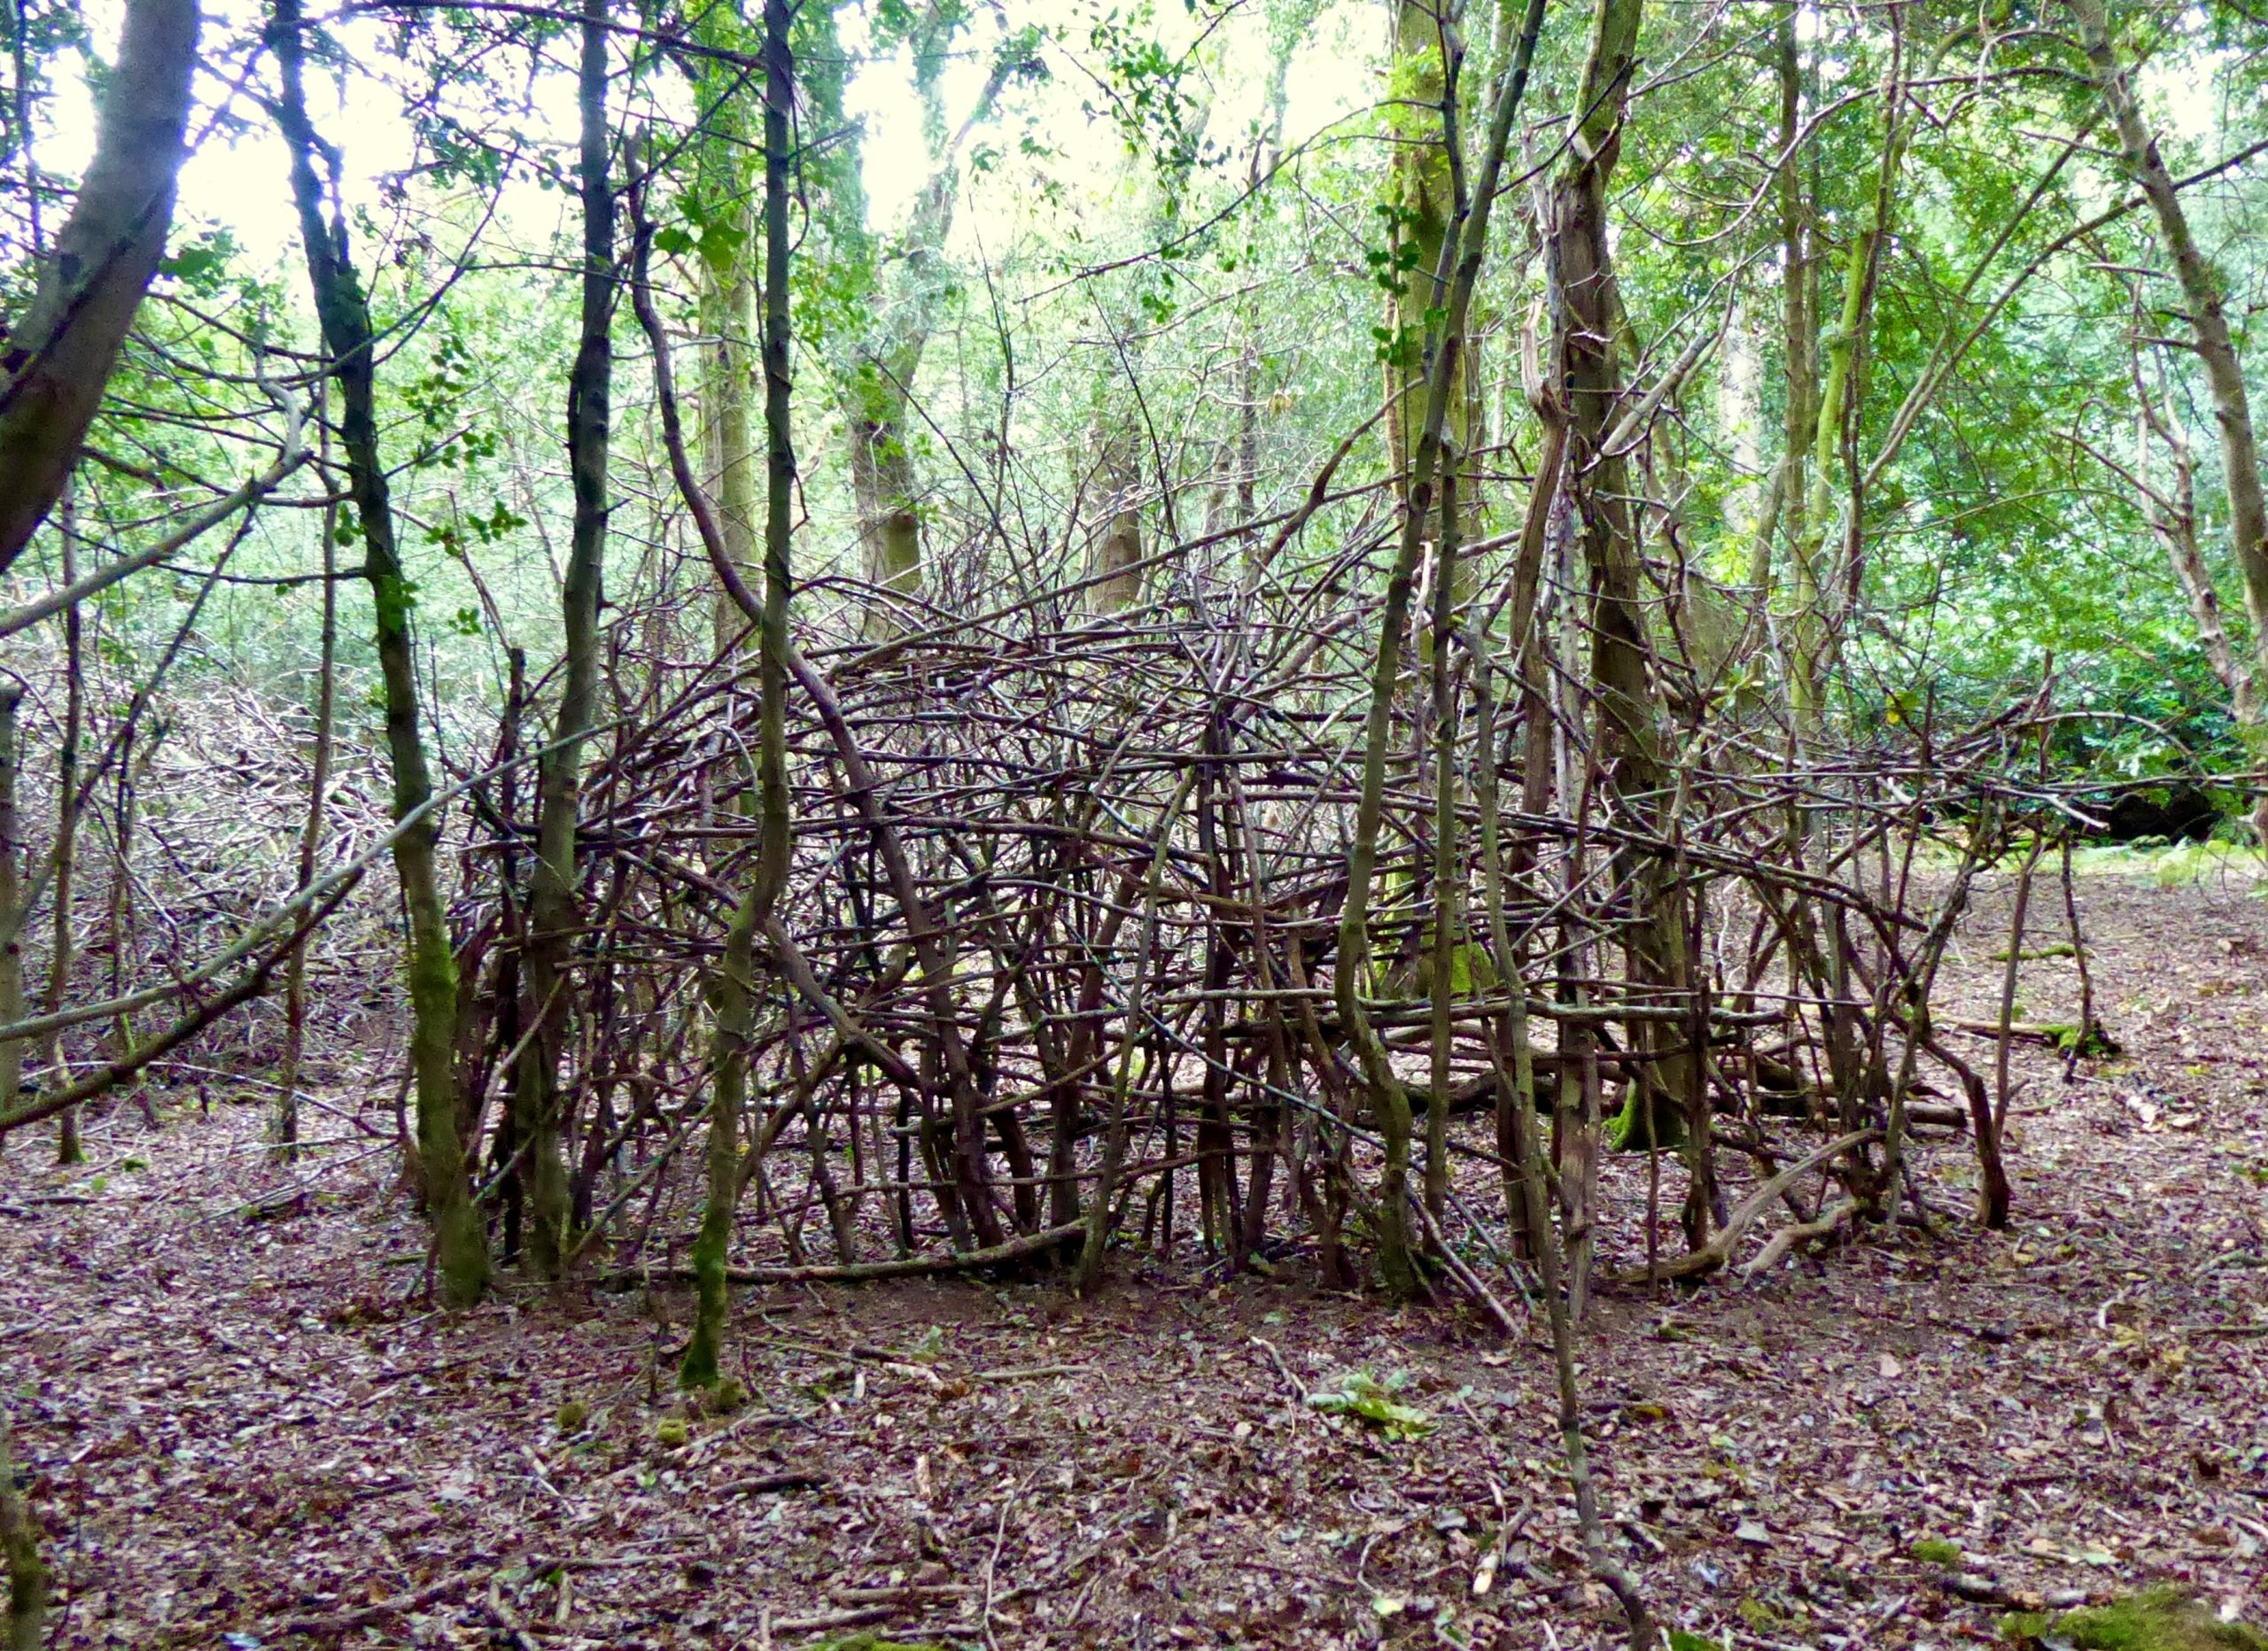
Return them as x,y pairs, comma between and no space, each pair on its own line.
231,1418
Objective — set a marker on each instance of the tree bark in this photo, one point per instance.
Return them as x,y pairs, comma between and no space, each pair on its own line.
1629,731
12,951
1423,210
733,991
1453,279
1119,548
311,834
69,803
461,1246
2172,518
875,374
883,487
2200,292
60,356
554,908
25,1619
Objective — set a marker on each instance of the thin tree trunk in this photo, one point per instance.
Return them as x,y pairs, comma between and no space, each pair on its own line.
735,988
119,932
2173,523
69,803
461,1246
554,908
1449,855
311,834
1558,1309
12,892
1453,284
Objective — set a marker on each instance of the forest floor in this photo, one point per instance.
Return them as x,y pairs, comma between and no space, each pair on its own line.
237,1411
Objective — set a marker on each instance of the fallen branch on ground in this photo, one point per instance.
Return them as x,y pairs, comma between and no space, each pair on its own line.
859,1272
1719,1251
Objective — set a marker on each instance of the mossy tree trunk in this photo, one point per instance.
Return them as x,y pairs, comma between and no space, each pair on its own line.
1118,547
25,1619
885,334
1422,213
729,456
726,258
883,489
461,1247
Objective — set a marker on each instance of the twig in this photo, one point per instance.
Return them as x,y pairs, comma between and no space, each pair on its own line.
859,1272
1465,1275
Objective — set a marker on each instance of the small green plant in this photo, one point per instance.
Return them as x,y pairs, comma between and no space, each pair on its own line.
573,1412
1935,1551
671,1432
1368,1399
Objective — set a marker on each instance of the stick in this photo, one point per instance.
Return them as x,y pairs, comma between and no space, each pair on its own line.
859,1272
1465,1275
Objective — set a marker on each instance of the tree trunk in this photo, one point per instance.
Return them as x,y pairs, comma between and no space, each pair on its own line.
1118,549
62,936
25,1619
1800,365
1422,206
734,990
882,485
728,454
2173,517
461,1246
1628,734
60,355
311,832
12,892
2200,292
555,908
876,373
1452,281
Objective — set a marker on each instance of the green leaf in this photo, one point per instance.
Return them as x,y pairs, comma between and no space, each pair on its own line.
1366,1398
720,245
190,263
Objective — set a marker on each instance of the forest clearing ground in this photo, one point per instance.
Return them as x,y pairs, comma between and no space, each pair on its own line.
235,1413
